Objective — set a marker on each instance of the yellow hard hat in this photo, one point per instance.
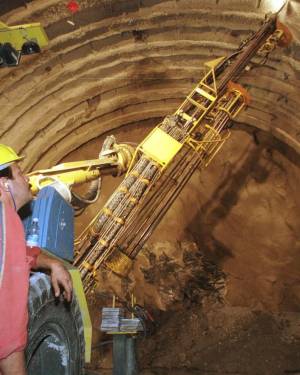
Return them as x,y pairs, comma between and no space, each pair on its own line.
8,156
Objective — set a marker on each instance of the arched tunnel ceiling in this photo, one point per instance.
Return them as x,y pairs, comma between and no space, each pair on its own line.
131,62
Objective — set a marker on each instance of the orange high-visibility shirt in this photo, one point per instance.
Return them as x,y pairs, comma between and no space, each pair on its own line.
15,263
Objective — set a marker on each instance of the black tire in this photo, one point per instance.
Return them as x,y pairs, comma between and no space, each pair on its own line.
30,47
56,337
9,55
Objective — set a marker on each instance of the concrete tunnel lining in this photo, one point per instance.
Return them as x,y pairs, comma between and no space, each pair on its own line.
108,50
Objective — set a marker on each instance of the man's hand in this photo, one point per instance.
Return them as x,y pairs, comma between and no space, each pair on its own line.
13,364
60,277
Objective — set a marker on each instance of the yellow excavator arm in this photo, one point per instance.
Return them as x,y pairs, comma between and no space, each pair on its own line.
113,159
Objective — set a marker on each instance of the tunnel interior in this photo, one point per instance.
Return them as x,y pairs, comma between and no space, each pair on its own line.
220,274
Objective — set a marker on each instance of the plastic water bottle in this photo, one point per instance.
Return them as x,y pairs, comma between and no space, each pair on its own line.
33,233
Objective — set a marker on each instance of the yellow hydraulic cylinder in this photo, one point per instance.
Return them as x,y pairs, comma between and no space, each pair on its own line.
71,178
72,173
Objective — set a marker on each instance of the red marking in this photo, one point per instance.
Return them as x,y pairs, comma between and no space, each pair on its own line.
287,35
73,6
235,86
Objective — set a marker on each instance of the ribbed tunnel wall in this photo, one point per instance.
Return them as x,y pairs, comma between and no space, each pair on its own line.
125,62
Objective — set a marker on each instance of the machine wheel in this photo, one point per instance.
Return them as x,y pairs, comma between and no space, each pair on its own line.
56,338
30,47
9,56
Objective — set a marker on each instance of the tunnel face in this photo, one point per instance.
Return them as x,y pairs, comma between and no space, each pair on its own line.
224,263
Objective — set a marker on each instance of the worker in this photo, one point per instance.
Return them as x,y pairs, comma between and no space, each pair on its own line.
15,262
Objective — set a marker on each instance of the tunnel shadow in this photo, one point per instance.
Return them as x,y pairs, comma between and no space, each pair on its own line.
227,193
222,200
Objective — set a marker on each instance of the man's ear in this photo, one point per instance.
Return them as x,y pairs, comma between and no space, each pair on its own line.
4,183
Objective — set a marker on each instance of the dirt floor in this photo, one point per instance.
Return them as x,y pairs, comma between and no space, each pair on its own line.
223,340
213,338
204,335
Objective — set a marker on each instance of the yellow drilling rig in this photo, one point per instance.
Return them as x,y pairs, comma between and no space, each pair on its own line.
158,169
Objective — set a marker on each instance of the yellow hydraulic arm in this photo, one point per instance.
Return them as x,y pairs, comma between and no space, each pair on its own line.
113,159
